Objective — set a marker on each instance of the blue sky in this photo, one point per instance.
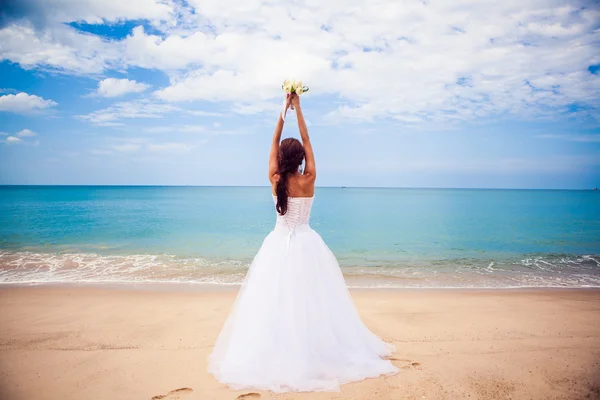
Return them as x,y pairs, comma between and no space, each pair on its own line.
402,93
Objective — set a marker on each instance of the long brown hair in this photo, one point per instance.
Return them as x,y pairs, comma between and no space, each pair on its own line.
289,159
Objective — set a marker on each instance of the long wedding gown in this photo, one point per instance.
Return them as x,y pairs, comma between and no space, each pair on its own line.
294,326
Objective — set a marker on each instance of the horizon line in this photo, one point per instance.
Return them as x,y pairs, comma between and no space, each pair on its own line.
316,187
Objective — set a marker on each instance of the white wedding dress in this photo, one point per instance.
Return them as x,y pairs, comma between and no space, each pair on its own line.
294,326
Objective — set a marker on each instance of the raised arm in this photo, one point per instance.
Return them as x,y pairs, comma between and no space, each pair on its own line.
275,143
310,169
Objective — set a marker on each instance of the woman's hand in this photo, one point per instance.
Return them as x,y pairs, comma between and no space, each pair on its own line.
287,105
295,101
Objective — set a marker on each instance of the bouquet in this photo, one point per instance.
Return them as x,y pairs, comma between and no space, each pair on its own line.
291,86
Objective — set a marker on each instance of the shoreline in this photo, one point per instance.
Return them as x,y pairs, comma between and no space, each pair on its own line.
201,287
552,270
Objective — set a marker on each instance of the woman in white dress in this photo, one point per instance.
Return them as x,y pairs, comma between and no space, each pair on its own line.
294,326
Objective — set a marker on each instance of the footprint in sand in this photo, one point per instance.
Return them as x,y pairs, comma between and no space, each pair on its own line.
407,363
248,396
173,394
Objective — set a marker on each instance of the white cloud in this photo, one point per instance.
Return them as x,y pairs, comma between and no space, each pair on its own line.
113,115
140,109
406,61
38,36
26,132
112,87
18,137
142,144
13,139
170,53
243,68
24,103
96,11
60,48
215,129
203,113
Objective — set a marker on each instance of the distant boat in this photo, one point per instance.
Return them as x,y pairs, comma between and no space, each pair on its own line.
595,188
344,187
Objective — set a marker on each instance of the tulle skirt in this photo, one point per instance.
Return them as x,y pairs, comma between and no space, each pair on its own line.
294,326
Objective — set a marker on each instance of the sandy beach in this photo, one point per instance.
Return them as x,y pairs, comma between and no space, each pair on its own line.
146,342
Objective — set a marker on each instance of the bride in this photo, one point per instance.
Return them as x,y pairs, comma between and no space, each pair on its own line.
294,326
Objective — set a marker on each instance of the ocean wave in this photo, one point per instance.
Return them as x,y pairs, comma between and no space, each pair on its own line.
552,270
17,267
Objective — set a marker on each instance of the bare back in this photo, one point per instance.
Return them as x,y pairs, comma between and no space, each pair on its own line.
299,185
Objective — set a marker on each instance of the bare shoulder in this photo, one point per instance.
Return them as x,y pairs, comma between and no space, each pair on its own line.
307,183
309,178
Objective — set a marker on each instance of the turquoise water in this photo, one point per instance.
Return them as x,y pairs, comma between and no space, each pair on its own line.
382,237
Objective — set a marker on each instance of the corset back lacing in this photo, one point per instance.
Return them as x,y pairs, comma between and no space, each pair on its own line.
298,214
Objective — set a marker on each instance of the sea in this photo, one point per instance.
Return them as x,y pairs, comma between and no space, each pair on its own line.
382,237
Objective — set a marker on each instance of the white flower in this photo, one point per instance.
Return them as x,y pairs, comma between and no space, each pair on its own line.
288,86
293,86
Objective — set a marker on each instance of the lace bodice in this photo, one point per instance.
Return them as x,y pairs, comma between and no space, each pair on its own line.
298,212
